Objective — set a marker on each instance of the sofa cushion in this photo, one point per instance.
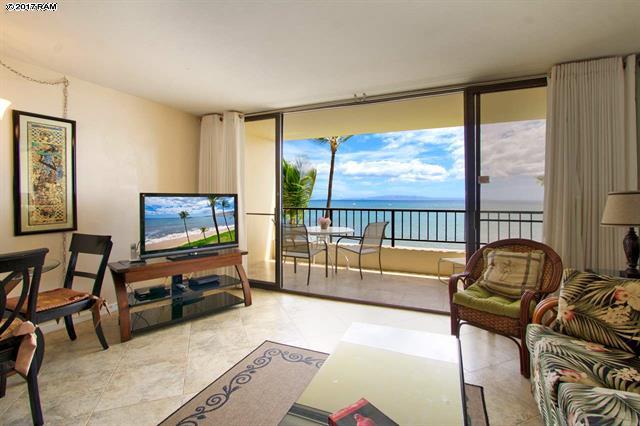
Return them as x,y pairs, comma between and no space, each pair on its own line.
600,309
509,274
586,405
557,359
476,297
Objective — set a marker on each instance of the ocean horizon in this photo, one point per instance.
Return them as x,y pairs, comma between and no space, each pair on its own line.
429,204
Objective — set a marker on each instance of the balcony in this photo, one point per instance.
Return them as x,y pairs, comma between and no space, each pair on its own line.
415,242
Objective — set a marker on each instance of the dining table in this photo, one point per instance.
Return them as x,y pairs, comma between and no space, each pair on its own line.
13,283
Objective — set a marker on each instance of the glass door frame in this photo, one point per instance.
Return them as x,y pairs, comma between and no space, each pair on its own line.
472,141
278,118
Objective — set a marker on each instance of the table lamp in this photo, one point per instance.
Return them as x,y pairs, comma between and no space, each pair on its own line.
623,209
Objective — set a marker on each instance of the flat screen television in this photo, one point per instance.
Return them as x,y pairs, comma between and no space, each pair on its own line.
182,224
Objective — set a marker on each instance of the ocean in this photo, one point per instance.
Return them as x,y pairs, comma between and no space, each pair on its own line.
435,204
160,229
443,229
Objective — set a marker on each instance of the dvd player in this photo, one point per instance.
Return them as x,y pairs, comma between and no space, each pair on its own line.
201,281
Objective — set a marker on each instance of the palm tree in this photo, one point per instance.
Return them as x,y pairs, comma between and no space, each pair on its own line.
184,215
297,187
203,230
334,143
224,204
213,200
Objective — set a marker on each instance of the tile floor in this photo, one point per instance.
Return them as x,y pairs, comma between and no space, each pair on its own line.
142,381
394,288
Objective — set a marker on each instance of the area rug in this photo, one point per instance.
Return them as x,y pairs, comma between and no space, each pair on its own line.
260,388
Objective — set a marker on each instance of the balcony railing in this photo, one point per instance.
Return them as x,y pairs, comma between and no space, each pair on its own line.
428,225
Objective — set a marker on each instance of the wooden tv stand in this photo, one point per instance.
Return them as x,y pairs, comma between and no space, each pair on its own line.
178,304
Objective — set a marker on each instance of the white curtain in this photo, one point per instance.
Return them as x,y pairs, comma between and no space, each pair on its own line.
589,152
221,163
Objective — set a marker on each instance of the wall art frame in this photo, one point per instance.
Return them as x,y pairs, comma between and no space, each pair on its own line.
44,174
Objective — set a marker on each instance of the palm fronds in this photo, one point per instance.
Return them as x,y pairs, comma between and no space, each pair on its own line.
297,186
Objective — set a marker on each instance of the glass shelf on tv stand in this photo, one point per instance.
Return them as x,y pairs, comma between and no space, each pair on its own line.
179,305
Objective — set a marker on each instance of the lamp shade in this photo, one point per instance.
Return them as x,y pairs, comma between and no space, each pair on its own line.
622,209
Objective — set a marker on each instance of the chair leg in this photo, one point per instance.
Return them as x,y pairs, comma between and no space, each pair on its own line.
455,325
336,260
524,357
309,273
3,385
326,259
360,264
295,265
39,356
34,394
97,325
380,261
68,323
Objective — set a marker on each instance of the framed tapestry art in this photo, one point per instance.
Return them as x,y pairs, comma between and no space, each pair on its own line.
44,173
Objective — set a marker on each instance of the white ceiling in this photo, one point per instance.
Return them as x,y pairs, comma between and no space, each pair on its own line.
260,55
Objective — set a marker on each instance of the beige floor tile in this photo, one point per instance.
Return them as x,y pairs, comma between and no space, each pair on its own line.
69,398
148,413
132,384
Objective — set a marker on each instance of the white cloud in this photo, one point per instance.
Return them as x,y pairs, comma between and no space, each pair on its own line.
513,149
409,171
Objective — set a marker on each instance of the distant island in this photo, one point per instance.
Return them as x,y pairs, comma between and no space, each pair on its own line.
394,198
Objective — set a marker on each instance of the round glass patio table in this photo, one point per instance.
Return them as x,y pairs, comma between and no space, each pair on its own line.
325,236
331,231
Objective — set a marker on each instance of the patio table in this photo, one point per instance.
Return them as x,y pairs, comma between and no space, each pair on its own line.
325,235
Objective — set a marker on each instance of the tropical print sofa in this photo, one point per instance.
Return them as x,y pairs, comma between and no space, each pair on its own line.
585,368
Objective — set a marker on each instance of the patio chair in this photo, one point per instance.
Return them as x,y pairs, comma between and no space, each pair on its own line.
295,244
65,301
369,243
489,310
21,342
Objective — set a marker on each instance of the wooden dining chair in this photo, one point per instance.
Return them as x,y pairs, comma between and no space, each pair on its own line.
65,301
369,243
296,244
18,335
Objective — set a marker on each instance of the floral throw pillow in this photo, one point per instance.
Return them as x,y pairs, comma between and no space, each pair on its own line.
601,309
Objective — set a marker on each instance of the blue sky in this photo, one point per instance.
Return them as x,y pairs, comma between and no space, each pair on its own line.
428,163
170,207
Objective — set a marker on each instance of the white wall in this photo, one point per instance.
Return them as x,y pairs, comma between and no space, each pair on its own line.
125,145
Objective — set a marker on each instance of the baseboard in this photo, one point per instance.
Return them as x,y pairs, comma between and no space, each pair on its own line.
50,326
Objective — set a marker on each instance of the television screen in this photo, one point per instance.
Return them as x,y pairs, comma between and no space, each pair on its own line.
186,223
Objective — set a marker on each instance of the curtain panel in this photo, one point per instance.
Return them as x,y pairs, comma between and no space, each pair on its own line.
221,162
591,150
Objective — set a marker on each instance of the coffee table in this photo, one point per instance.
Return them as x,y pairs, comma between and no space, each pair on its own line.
414,377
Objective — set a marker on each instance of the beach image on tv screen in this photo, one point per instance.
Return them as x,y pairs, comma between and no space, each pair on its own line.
188,222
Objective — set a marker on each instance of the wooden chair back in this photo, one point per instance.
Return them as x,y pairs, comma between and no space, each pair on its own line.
25,266
552,268
98,245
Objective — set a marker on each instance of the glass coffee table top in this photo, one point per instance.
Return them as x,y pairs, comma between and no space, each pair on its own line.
413,377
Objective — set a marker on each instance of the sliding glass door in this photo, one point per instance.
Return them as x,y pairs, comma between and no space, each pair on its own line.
262,197
505,144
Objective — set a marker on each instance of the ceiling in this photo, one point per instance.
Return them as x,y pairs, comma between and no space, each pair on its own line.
260,55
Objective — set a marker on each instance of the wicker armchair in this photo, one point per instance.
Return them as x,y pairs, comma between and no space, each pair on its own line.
508,326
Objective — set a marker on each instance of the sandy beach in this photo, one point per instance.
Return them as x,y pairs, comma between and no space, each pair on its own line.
176,240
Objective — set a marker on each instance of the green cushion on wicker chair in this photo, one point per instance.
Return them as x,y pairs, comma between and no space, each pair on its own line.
478,298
